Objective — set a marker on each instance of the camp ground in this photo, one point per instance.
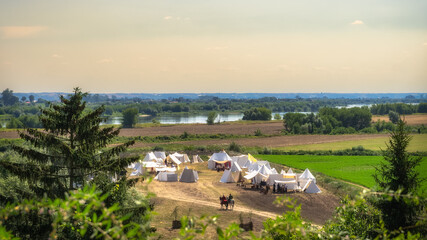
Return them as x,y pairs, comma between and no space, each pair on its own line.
244,170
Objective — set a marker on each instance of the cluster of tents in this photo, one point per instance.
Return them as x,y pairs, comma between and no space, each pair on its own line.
247,168
166,166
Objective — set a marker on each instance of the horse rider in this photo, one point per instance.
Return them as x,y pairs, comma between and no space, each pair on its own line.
230,197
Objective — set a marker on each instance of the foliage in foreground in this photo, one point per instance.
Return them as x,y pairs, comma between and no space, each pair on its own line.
81,215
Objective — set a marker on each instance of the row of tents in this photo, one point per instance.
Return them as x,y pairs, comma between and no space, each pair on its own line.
166,166
187,175
247,167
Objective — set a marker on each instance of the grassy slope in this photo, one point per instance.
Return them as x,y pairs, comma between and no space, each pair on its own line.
418,143
356,169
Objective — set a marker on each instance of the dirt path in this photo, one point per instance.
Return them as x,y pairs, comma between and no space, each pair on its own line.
215,205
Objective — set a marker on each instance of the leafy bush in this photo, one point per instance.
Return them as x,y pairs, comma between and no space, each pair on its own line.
257,114
235,147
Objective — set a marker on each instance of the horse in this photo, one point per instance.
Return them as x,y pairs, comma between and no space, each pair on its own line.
231,203
223,201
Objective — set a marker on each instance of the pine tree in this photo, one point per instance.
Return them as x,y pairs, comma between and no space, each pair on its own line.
71,149
398,173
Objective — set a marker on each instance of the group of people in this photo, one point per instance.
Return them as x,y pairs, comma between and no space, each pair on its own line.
223,198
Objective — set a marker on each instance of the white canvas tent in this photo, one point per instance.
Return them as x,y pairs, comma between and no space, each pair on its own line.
311,187
290,184
173,159
265,171
307,175
197,159
256,176
273,177
167,177
181,157
227,177
235,167
274,171
290,171
219,157
188,175
161,155
138,169
150,157
283,172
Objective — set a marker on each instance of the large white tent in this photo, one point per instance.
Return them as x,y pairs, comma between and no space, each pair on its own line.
150,157
188,175
273,177
256,176
181,157
161,155
219,157
167,177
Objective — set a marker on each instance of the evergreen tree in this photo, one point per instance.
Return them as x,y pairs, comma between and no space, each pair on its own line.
71,149
398,173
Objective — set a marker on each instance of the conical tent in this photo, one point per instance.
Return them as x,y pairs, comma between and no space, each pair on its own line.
312,188
237,176
307,175
290,171
188,175
227,177
274,171
264,170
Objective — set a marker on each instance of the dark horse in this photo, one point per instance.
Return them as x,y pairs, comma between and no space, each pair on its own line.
223,201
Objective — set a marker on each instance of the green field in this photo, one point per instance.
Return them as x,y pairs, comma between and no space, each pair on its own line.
356,169
418,143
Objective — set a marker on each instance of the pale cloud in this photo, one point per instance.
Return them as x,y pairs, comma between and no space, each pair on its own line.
106,60
357,22
167,18
56,56
425,44
20,31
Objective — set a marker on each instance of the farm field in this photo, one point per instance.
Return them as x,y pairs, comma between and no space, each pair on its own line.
412,120
418,143
356,169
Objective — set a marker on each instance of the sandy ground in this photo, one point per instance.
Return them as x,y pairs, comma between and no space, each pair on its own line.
412,120
203,197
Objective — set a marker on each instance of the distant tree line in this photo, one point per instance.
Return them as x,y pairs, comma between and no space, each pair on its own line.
400,108
328,121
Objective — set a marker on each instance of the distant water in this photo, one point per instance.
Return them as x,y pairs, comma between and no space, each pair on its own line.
186,118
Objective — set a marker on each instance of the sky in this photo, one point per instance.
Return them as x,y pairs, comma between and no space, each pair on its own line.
170,46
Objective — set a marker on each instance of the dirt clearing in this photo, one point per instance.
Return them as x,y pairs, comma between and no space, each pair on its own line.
202,197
